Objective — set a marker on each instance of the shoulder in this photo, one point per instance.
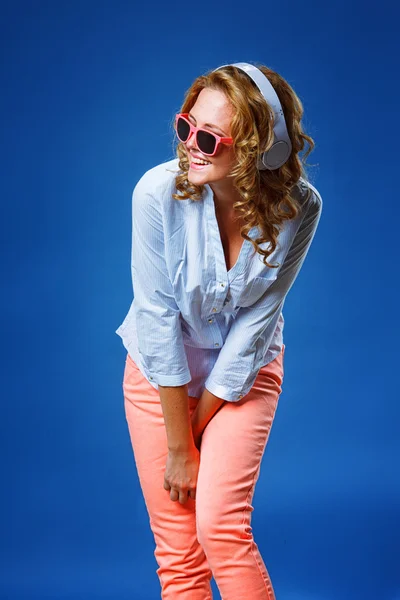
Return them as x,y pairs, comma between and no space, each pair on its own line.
308,195
158,180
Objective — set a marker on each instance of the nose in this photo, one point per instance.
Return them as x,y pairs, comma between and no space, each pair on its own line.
191,142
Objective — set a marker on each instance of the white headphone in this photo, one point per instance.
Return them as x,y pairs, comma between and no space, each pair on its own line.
281,149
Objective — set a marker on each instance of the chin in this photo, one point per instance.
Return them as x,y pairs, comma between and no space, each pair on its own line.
196,175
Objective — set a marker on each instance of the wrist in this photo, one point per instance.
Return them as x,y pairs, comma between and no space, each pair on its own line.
183,447
196,425
206,408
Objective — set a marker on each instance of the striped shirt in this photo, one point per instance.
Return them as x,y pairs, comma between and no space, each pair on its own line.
191,321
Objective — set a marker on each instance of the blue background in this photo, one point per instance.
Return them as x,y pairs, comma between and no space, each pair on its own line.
88,91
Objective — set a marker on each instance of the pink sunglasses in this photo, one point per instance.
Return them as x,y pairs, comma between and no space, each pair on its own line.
207,142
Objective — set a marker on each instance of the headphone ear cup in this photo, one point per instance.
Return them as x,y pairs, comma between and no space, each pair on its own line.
275,157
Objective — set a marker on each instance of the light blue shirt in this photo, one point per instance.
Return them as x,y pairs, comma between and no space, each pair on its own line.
192,321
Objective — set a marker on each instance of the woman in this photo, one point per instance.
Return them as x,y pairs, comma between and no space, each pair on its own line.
204,368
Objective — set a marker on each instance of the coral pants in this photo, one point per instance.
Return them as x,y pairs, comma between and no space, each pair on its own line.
210,536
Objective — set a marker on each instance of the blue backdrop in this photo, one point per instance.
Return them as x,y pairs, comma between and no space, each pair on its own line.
88,90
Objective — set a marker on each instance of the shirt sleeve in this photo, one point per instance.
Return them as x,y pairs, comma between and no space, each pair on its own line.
160,341
241,356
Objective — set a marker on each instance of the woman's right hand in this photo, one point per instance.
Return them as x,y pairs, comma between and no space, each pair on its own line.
181,473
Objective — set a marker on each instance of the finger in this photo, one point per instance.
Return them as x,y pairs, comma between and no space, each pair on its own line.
166,485
192,494
174,495
183,496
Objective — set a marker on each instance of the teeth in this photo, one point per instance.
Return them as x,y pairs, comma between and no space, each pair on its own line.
198,161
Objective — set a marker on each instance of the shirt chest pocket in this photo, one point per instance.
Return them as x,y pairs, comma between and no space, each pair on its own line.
255,289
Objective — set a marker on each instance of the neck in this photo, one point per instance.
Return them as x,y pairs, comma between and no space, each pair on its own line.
225,195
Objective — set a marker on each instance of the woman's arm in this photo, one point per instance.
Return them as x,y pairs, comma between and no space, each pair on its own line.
159,331
175,406
242,353
206,408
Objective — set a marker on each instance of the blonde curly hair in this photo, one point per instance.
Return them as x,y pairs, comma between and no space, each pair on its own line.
267,196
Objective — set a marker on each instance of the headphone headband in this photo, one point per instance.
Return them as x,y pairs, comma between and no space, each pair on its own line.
281,149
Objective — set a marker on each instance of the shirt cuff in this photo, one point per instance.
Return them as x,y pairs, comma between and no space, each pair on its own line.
224,392
169,380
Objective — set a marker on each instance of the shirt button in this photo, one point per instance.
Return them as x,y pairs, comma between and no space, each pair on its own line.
241,396
210,320
214,310
150,377
216,344
222,284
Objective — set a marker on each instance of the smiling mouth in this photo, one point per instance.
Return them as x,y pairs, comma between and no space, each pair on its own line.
207,164
197,167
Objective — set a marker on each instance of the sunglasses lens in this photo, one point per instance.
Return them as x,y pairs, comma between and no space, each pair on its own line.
206,142
182,129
